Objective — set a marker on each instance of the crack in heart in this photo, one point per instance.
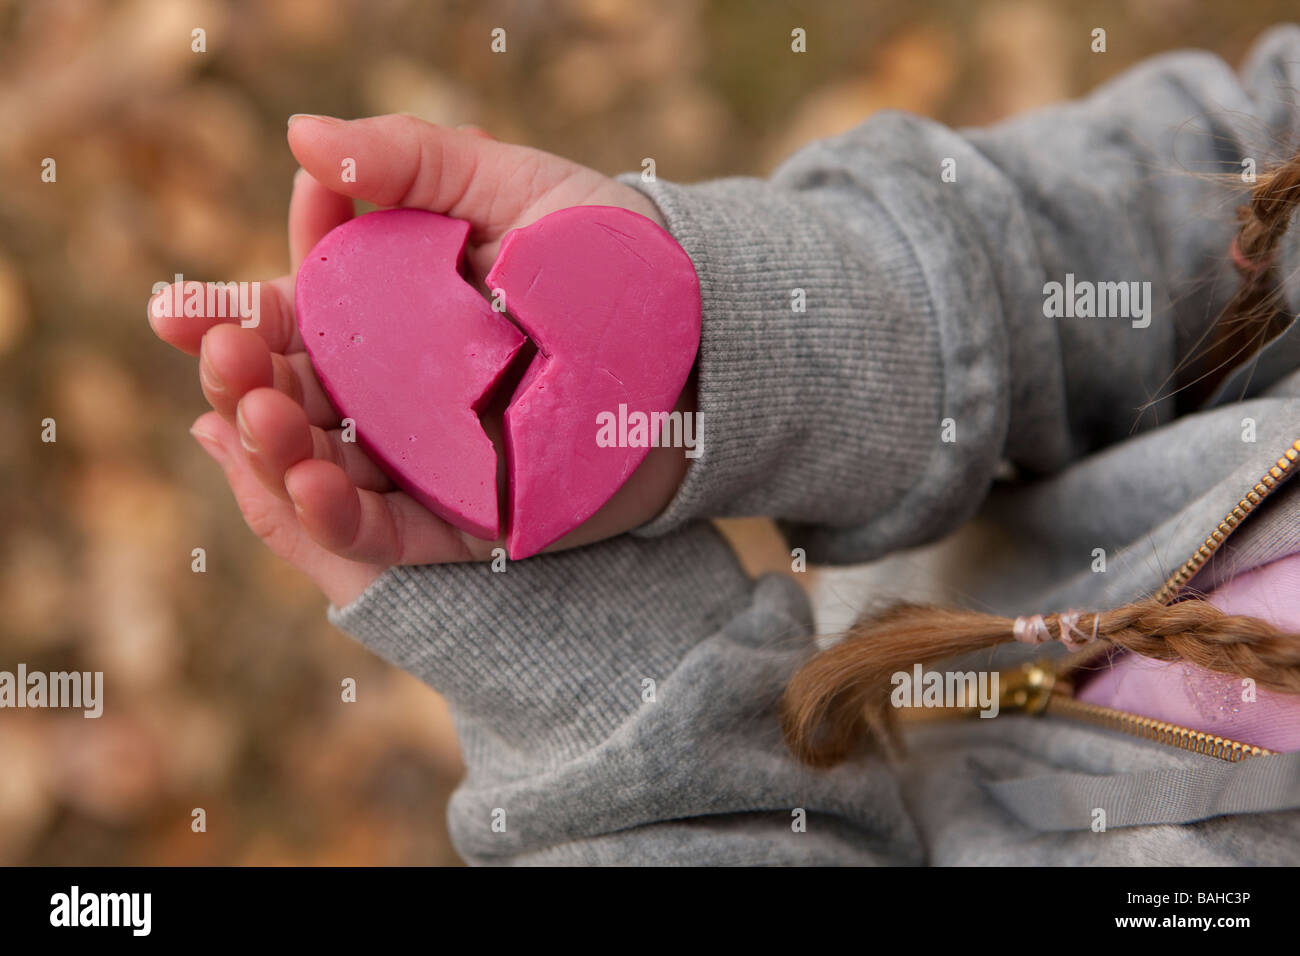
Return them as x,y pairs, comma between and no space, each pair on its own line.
593,288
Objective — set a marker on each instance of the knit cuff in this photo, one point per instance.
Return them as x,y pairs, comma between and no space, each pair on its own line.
552,653
819,366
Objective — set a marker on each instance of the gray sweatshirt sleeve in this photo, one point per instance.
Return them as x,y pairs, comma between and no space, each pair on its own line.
876,418
618,703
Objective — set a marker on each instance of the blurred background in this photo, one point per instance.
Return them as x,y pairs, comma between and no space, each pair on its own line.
223,688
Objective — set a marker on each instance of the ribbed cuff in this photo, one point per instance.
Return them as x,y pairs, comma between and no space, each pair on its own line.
551,654
819,369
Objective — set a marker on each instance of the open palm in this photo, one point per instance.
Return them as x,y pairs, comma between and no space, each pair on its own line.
316,500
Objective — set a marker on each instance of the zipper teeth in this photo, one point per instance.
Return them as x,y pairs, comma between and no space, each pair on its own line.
1262,489
1059,700
1156,730
1178,580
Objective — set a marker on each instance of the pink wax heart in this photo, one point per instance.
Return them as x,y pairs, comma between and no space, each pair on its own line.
405,347
613,305
410,351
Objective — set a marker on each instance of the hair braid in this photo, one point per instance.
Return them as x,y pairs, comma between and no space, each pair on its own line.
840,697
1257,311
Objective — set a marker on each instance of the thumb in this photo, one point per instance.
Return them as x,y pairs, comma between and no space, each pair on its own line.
403,161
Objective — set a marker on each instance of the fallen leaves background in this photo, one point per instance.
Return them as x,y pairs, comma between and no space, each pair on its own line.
222,689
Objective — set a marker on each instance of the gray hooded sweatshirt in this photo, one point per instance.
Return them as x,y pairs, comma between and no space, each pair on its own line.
617,704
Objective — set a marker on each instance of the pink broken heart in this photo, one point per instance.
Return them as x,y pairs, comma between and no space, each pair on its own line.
405,347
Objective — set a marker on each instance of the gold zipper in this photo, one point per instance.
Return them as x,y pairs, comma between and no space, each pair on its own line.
1263,488
1037,688
1044,686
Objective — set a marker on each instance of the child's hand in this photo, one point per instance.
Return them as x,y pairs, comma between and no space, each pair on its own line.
317,501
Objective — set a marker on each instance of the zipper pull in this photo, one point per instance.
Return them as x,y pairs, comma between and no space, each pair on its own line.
1027,688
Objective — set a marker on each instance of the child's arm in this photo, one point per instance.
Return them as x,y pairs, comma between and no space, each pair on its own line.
933,308
546,666
616,704
874,344
925,298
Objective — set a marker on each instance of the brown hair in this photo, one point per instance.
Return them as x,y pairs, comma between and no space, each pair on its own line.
840,697
1257,311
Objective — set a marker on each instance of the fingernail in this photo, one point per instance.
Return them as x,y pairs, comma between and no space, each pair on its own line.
293,499
209,444
245,437
314,116
208,377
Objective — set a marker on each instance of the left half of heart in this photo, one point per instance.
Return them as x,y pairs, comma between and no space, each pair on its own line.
409,351
412,353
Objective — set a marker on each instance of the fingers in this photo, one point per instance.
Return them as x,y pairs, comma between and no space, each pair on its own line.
365,526
276,435
345,510
271,519
296,377
313,211
403,161
274,521
475,130
234,361
328,445
182,314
